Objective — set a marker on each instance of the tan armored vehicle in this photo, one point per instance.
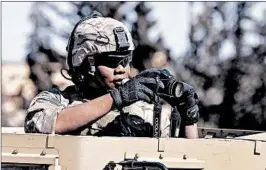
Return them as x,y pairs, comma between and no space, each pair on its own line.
217,149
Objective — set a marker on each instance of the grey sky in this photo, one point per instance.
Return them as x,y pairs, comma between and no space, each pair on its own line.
172,22
171,18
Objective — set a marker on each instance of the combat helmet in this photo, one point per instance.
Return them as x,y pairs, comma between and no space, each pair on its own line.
92,36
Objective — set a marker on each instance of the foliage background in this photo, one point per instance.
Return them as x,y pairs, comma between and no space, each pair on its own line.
224,62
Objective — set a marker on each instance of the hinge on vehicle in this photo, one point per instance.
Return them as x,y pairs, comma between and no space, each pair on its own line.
258,147
50,141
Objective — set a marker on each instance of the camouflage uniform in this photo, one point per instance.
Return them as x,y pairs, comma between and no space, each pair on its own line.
89,37
45,107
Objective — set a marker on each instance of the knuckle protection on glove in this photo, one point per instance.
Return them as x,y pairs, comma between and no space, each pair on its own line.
134,90
192,115
190,109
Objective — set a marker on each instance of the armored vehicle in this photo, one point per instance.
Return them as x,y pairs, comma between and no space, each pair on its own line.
216,149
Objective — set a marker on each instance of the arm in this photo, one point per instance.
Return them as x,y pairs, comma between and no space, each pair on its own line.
72,118
191,131
47,113
96,108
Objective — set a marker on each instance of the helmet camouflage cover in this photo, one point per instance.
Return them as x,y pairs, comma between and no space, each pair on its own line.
97,35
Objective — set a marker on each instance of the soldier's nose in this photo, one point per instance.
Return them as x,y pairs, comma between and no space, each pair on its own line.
120,69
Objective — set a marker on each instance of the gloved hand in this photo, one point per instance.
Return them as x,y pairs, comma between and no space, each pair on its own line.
172,88
162,74
187,105
179,94
141,87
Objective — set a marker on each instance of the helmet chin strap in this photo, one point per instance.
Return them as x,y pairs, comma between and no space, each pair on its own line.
100,81
92,88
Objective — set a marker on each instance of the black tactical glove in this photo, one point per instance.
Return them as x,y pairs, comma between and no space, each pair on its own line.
136,89
163,75
181,95
187,105
178,94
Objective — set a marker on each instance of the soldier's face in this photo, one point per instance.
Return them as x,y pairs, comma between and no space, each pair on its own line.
112,77
112,68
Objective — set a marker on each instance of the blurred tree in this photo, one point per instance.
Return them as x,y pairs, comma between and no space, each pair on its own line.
226,62
53,23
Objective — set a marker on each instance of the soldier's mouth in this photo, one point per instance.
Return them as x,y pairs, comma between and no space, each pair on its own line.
118,83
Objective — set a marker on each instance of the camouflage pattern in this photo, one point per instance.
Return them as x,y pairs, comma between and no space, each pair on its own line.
96,35
45,107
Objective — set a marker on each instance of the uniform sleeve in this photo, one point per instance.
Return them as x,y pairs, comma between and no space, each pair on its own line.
42,113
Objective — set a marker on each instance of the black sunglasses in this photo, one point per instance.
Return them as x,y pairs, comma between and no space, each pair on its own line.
113,60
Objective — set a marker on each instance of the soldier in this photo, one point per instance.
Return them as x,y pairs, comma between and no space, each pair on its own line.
104,101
